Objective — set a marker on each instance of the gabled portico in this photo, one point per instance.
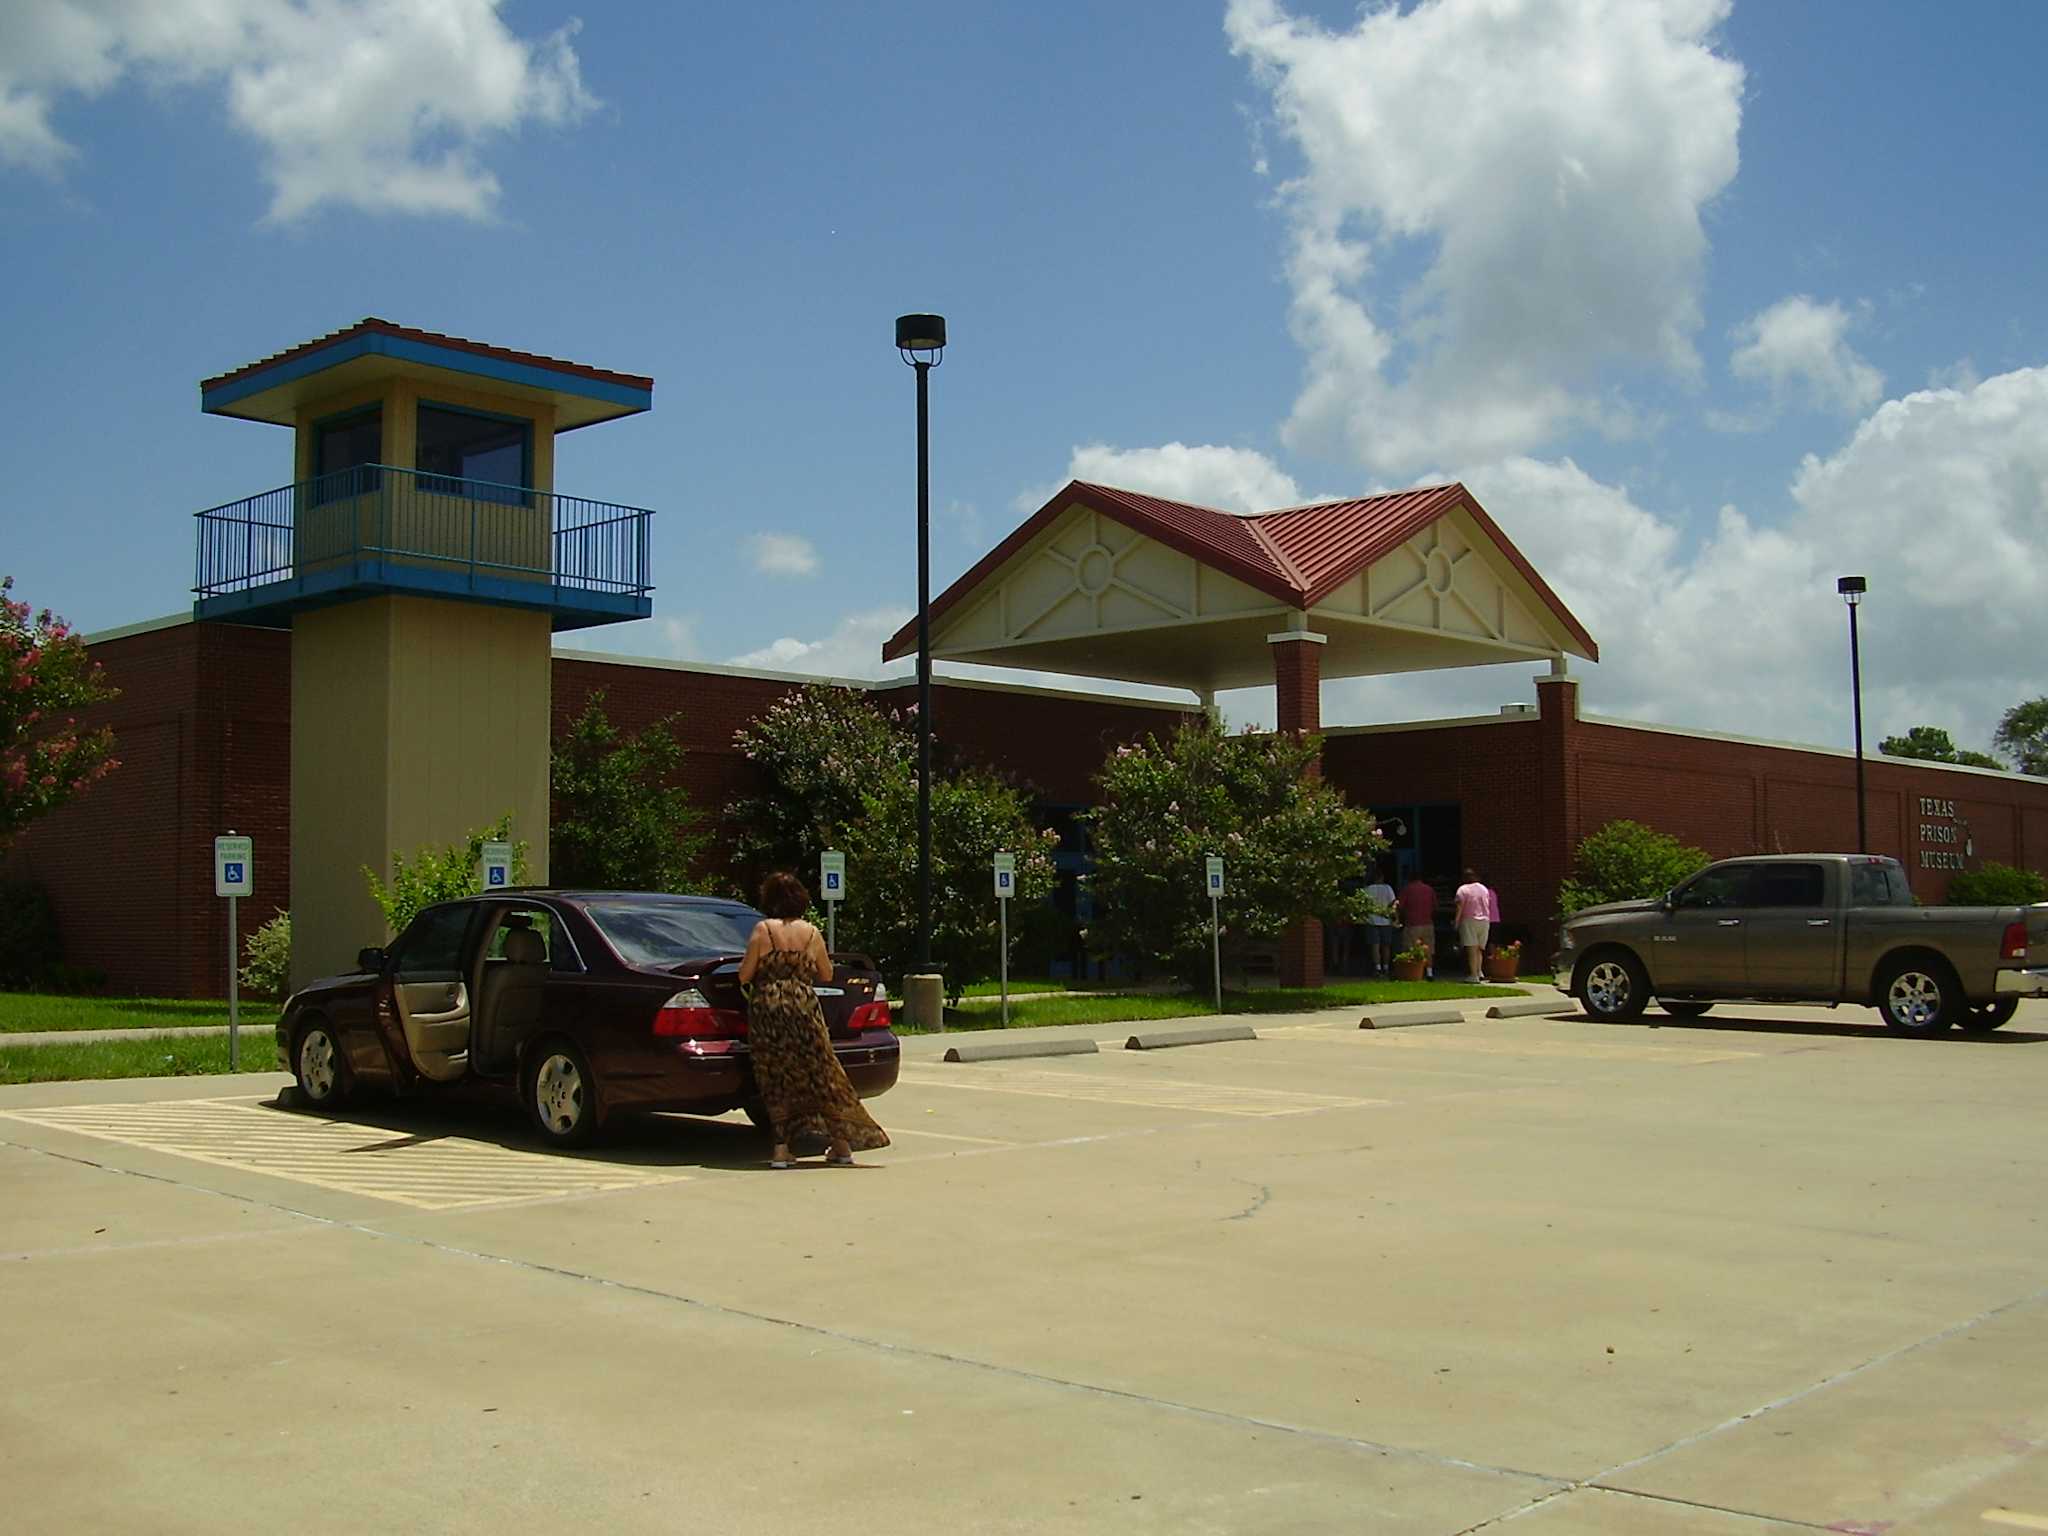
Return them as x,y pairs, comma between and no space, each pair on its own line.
1110,583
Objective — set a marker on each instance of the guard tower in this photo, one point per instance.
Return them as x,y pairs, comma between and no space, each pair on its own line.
421,558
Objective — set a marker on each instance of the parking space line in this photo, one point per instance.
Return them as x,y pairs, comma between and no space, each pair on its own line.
1197,1098
438,1174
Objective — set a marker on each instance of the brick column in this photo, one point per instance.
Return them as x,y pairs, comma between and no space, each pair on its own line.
1557,821
1298,683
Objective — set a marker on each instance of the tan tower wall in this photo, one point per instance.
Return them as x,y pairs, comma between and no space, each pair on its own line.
415,721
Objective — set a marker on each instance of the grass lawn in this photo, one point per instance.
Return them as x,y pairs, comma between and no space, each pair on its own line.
979,1012
192,1057
21,1012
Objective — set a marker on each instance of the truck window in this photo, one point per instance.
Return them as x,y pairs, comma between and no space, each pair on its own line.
1726,887
1880,883
1789,885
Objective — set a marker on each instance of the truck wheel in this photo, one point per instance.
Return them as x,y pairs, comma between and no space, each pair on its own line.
1683,1007
1613,987
1982,1018
1918,996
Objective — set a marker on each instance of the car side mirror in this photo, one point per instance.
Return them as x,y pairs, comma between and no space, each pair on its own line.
371,960
1669,901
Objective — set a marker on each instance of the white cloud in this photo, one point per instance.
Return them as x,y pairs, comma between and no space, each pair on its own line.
1230,479
1939,498
783,554
1799,347
380,105
852,649
1549,160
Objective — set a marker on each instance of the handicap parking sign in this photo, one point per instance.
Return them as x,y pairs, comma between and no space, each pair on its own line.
832,875
234,866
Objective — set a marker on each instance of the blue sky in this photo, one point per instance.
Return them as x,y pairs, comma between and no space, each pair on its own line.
1706,303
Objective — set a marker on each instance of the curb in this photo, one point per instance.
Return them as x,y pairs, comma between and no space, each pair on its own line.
1213,1035
1533,1008
1011,1050
1408,1021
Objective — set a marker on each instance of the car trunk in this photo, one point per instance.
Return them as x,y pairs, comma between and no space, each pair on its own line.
837,998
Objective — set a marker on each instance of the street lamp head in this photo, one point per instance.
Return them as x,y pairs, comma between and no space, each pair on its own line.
921,333
1852,589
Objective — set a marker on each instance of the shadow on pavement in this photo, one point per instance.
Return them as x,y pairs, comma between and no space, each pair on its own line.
1794,1025
641,1141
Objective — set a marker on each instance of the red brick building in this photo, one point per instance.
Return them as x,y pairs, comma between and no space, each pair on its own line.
203,732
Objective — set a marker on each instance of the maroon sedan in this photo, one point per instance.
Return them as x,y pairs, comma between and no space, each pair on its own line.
583,1004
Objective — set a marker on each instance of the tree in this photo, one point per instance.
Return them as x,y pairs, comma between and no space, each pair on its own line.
45,673
819,752
1626,861
440,874
975,816
1931,744
621,822
837,773
1290,845
2023,735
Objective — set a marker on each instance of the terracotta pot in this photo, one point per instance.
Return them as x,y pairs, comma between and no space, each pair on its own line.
1409,970
1502,967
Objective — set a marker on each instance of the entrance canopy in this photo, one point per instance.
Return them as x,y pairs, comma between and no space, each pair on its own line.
1111,583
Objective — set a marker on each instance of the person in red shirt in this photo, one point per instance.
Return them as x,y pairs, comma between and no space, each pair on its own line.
1417,903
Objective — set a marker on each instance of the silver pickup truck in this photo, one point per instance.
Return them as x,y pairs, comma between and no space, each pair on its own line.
1808,928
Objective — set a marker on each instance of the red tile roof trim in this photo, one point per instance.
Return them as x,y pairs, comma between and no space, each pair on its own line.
373,326
1296,555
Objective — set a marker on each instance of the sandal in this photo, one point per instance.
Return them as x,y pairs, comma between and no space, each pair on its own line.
839,1162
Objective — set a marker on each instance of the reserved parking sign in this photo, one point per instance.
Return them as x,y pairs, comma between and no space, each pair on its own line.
234,866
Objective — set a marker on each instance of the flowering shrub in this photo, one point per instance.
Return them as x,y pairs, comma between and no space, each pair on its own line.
621,822
1512,950
45,758
1289,843
1414,954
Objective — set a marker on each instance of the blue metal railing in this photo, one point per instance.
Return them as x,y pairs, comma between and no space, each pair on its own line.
429,522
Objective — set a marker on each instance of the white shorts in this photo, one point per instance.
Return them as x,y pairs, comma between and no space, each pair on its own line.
1472,933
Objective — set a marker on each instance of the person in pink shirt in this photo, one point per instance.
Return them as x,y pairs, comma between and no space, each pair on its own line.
1476,906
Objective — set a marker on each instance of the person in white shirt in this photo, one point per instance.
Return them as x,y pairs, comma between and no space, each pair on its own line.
1380,926
1475,911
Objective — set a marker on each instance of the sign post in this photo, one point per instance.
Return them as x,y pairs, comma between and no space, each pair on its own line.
1006,887
234,876
832,891
1216,924
494,867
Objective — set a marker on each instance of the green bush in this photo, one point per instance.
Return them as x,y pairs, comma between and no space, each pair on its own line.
29,950
1626,861
1996,885
440,874
267,972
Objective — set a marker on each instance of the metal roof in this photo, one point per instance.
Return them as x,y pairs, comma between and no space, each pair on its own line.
1296,555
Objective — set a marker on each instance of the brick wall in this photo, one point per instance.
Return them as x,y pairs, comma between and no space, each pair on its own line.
203,730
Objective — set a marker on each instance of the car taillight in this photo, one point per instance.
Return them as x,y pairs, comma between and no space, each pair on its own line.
2015,945
873,1015
689,1015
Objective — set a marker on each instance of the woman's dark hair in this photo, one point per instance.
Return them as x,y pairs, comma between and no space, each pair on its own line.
784,896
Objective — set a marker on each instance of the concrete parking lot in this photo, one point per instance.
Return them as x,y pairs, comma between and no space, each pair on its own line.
1761,1272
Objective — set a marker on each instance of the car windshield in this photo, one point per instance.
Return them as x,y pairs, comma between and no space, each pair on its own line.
670,933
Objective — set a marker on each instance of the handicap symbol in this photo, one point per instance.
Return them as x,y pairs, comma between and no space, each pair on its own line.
497,874
233,874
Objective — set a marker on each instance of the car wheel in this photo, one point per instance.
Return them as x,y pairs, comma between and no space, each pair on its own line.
1918,996
1683,1007
1982,1018
561,1095
319,1065
1613,987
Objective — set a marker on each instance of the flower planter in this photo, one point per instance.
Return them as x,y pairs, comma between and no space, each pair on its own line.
1502,967
1409,970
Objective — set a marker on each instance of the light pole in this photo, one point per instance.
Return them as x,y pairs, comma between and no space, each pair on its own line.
921,341
1852,589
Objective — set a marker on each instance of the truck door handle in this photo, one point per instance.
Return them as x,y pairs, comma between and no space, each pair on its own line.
1817,922
1728,922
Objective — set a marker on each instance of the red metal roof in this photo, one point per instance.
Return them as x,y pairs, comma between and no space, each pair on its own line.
1297,555
372,325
